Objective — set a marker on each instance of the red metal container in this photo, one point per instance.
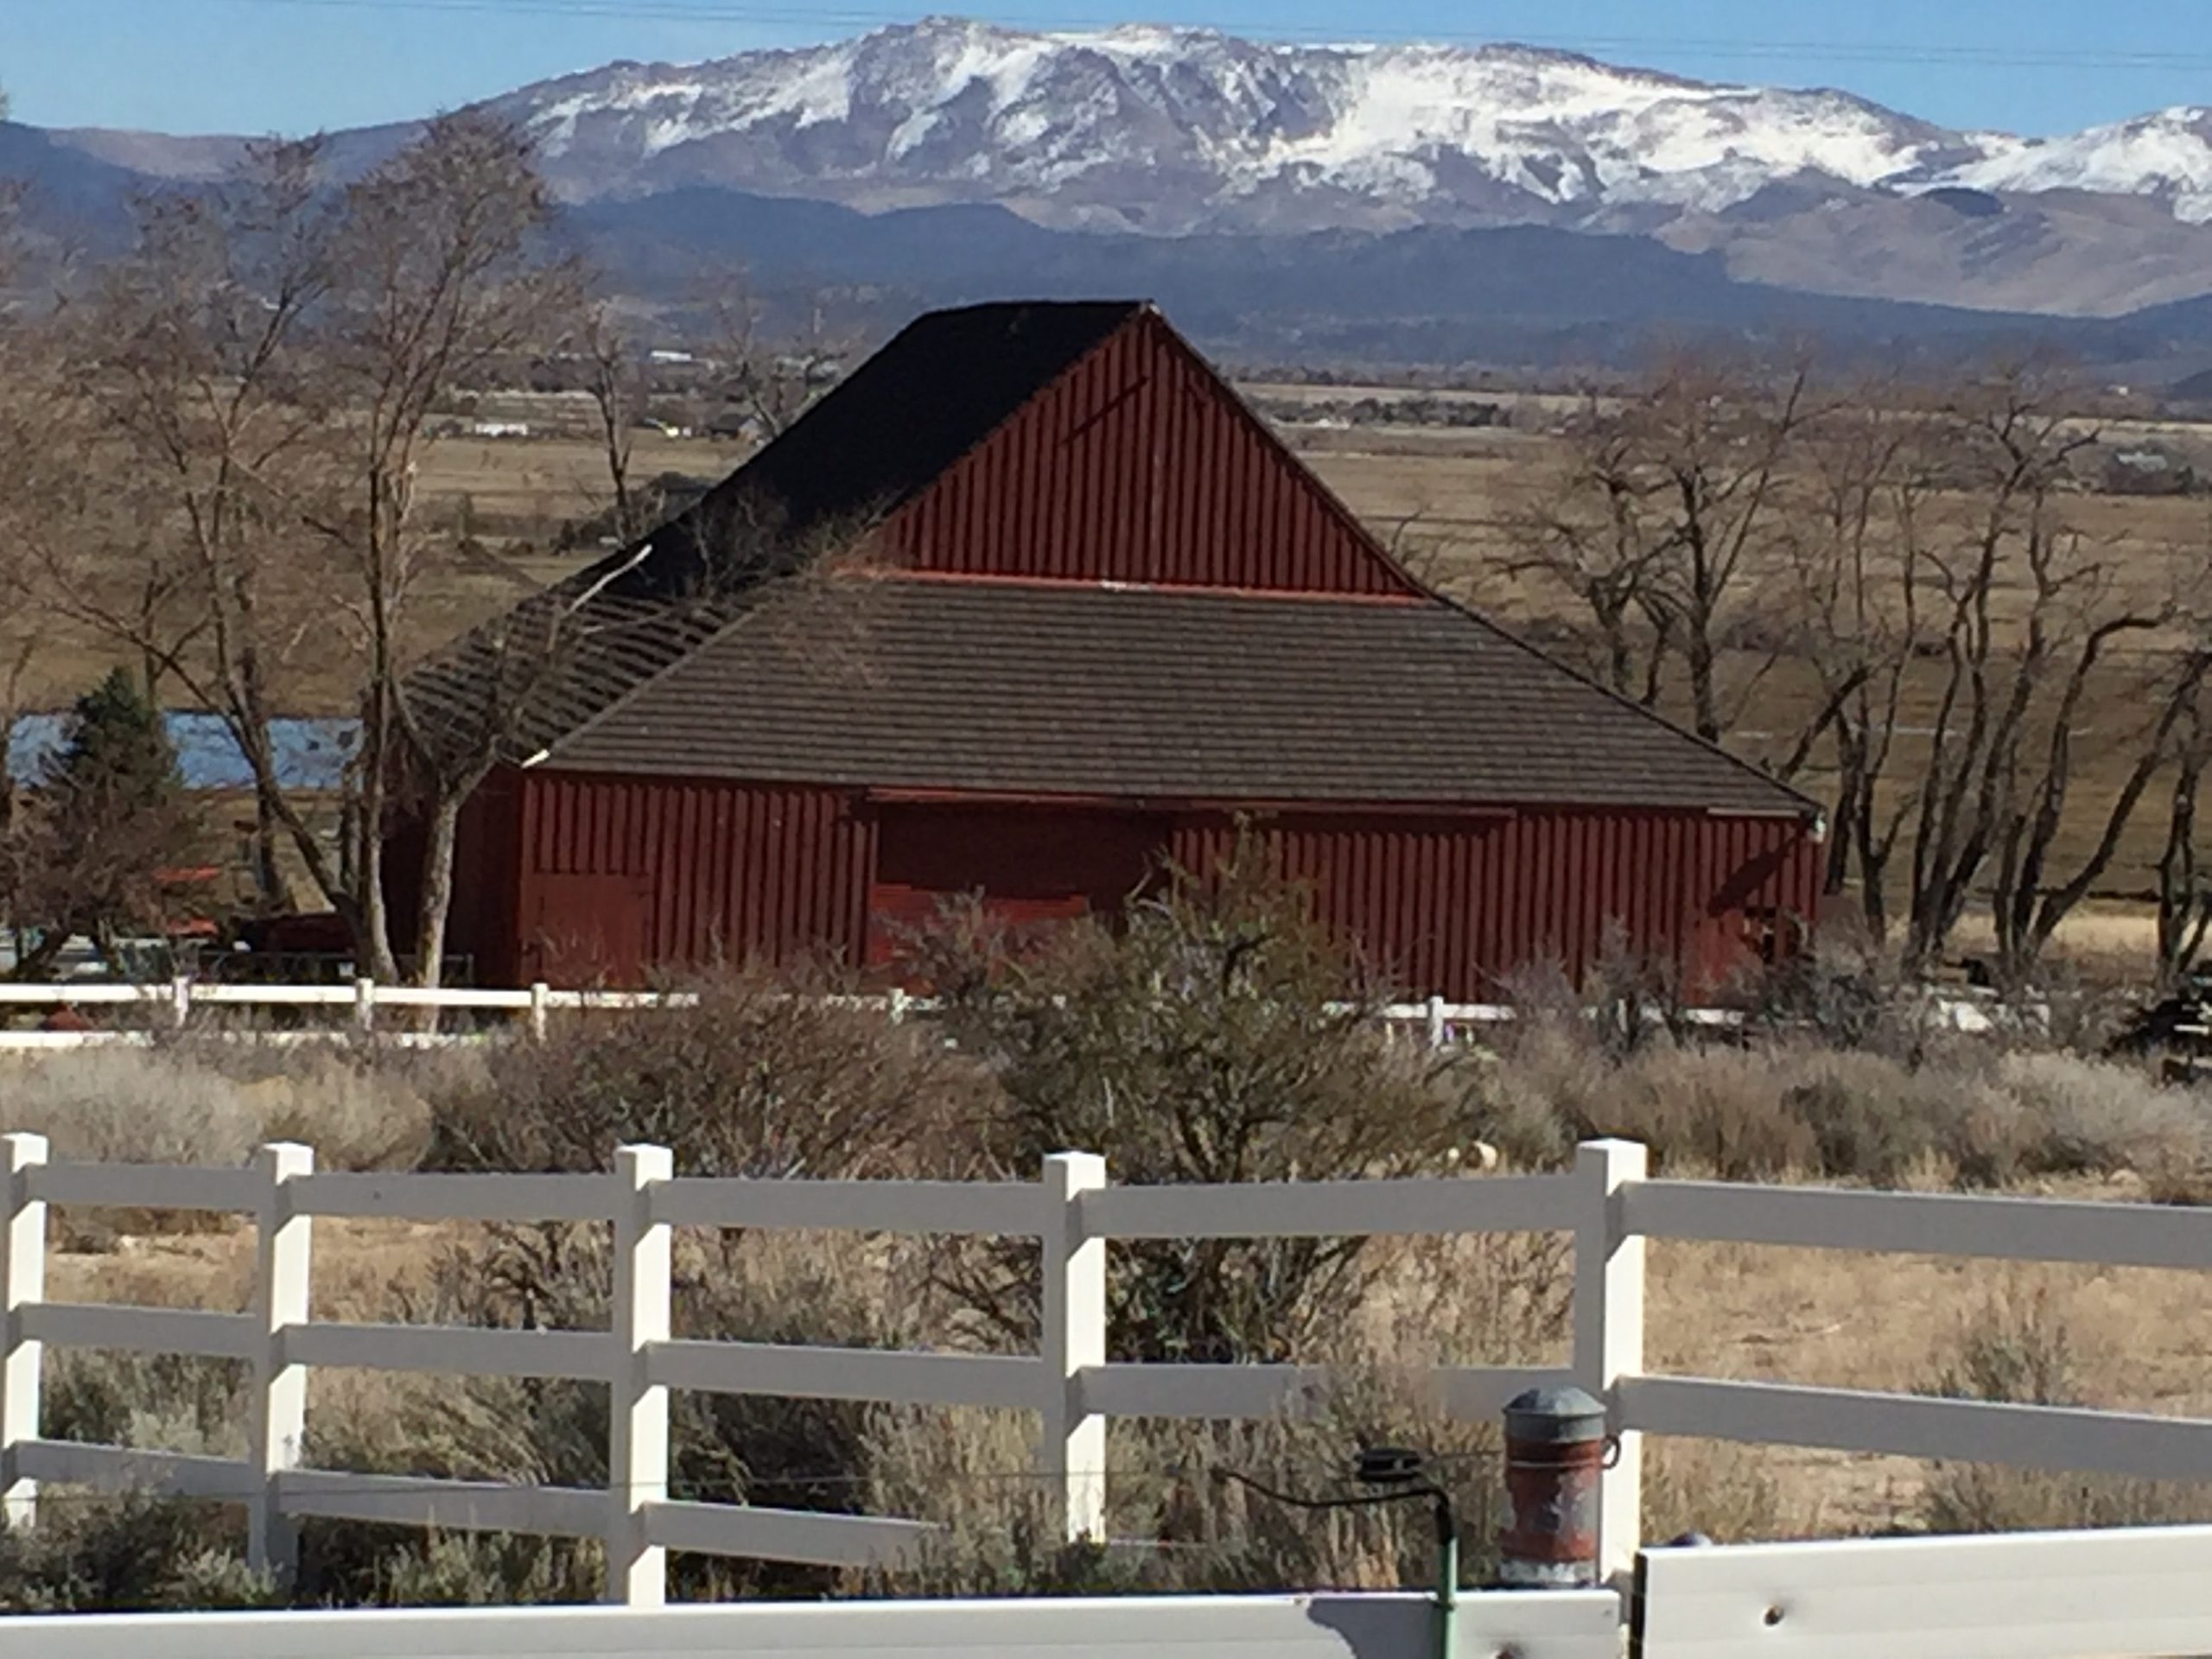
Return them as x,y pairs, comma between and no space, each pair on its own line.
1555,1454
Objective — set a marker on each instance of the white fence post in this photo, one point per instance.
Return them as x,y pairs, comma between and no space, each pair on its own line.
1073,1447
541,1002
179,1001
1609,1335
637,1449
278,1406
23,1283
1436,1027
365,1005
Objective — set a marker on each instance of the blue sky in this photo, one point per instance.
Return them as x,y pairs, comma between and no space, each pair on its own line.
292,66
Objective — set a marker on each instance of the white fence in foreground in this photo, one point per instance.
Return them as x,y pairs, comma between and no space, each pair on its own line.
1606,1203
1585,1626
2121,1595
2140,1593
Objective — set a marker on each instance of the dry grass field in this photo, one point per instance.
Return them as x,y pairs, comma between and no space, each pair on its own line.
1081,1051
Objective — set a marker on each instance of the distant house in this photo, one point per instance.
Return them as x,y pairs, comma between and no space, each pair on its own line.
1027,604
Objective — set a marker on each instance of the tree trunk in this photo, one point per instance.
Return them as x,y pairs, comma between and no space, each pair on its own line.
2184,908
437,901
1705,694
375,941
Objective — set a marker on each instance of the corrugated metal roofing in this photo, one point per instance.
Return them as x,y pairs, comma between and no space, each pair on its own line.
1158,694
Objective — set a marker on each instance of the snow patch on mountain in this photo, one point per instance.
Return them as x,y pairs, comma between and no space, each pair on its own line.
1179,128
2167,154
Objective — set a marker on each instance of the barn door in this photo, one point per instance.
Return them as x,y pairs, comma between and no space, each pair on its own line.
589,930
1032,867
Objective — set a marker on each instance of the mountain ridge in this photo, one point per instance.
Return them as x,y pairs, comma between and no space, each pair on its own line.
1175,134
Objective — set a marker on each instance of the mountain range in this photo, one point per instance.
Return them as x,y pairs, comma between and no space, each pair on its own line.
1271,180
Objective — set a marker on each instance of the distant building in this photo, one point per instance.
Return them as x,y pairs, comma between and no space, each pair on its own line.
1085,613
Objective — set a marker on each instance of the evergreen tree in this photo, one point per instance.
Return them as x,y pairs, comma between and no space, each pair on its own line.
108,817
117,759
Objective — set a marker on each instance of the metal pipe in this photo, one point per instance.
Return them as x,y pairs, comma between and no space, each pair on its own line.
1448,1577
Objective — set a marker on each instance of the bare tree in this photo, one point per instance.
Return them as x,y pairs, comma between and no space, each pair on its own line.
2184,886
273,358
1859,569
1667,526
22,447
439,275
767,376
2034,620
1911,559
616,378
201,360
1596,536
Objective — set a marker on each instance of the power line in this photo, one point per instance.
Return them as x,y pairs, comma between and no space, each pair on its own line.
1748,50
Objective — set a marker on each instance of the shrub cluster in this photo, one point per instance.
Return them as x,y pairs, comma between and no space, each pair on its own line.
1784,1109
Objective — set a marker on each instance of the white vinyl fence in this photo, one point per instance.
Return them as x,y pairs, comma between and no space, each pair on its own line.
1585,1626
361,1006
1606,1202
2131,1593
357,1005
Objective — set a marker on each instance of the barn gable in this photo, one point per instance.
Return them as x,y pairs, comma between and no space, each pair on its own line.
1138,463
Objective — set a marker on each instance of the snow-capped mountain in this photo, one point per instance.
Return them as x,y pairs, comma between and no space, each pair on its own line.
1173,133
2167,156
1170,129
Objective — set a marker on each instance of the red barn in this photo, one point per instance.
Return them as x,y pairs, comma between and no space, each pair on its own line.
1029,603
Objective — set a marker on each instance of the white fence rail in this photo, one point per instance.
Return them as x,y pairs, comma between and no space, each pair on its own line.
1570,1626
1606,1203
356,1007
2140,1593
169,1006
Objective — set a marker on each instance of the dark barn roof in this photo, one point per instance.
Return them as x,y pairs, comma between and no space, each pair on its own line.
1064,689
945,382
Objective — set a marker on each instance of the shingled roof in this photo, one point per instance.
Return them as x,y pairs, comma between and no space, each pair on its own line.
944,383
1184,695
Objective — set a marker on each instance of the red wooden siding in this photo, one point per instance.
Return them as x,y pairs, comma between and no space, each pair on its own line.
1031,865
1138,465
1450,905
714,871
589,878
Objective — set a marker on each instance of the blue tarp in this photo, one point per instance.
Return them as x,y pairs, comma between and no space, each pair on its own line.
310,753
